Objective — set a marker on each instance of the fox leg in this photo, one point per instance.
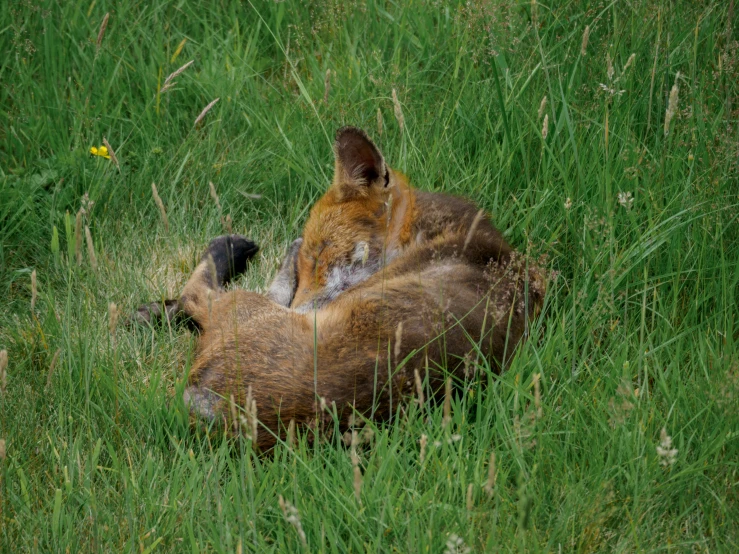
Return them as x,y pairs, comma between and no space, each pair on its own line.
282,289
225,258
154,311
229,255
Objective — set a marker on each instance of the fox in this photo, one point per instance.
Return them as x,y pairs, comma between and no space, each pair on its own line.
385,285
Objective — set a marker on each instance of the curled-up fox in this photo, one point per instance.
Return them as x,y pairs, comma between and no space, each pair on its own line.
385,282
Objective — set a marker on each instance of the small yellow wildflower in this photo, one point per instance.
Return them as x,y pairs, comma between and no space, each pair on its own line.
102,151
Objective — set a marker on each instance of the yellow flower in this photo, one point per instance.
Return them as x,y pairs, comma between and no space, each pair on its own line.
102,151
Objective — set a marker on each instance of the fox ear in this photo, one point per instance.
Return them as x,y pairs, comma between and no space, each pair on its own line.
359,163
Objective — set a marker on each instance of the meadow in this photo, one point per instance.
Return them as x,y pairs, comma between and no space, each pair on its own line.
602,136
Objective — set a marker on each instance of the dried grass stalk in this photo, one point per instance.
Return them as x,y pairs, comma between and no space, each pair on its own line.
398,342
78,237
214,195
398,111
292,516
671,105
537,395
542,106
585,39
447,402
326,86
492,473
111,153
291,434
52,365
3,370
206,109
34,292
101,32
160,205
473,228
419,388
91,249
169,82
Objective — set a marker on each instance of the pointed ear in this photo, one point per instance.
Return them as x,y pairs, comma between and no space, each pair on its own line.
359,163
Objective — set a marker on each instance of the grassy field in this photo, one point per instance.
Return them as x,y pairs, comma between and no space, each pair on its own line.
551,116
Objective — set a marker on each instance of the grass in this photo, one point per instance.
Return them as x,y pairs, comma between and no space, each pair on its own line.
639,333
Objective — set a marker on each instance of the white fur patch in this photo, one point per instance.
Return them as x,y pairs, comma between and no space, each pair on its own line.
339,280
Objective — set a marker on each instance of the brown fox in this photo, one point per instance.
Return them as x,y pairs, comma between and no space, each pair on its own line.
385,282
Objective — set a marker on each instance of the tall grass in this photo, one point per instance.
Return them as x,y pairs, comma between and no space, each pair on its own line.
560,453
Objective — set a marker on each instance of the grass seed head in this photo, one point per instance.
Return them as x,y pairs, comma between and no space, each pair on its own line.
492,472
78,237
292,516
625,199
52,365
101,32
423,442
537,395
470,502
671,105
205,111
419,388
609,67
291,434
112,318
169,82
667,454
398,111
542,106
473,227
3,370
160,205
447,402
33,290
326,86
379,122
585,39
628,63
398,342
111,153
178,51
91,249
455,545
545,127
214,195
356,470
227,224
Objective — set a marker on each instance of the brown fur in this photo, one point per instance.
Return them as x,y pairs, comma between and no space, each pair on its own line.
437,284
448,303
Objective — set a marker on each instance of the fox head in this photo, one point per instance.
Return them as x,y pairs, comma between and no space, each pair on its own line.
362,222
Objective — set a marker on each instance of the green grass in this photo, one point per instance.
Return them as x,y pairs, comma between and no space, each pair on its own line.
99,457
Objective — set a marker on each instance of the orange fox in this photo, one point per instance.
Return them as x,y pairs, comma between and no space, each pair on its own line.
386,285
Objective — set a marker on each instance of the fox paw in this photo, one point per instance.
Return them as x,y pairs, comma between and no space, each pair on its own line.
230,254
